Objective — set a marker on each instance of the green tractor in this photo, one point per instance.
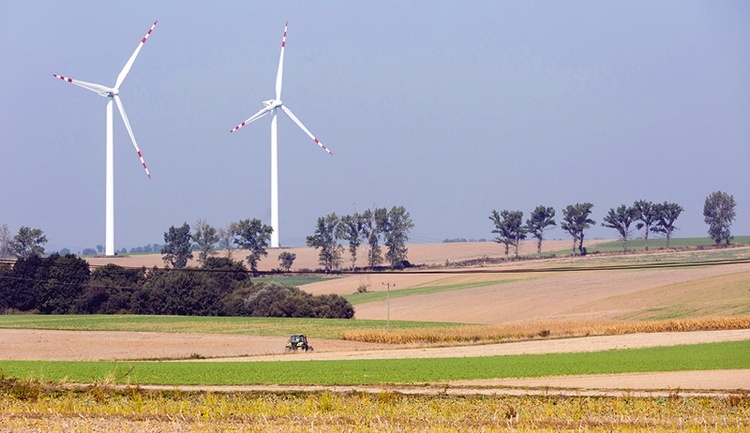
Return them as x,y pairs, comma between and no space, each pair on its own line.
297,342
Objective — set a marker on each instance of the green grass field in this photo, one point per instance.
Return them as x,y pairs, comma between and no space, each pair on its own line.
268,326
361,298
659,242
729,355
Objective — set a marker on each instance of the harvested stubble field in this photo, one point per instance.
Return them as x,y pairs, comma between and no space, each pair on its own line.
533,297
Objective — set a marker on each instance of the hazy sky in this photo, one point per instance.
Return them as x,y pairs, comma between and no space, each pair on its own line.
451,109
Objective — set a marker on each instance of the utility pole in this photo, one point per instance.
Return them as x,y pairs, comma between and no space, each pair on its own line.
388,305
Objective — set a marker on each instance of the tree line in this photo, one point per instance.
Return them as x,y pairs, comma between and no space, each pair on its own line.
65,284
371,228
718,211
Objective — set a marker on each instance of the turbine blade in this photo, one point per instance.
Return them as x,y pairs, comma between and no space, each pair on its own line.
252,118
130,132
98,88
281,64
294,118
129,64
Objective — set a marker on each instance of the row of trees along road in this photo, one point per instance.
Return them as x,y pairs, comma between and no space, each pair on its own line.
392,228
371,227
718,210
249,234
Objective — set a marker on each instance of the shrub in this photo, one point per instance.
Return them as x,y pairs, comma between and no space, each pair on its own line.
277,300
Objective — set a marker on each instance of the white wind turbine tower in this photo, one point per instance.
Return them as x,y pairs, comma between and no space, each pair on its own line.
271,106
113,94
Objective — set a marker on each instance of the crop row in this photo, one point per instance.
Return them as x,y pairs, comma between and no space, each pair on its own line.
528,331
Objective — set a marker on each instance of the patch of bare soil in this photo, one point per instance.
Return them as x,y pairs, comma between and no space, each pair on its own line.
31,344
585,295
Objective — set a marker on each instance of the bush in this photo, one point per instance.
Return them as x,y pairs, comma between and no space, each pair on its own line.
110,290
277,300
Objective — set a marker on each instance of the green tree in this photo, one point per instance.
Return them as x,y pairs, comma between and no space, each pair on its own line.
541,218
286,260
396,234
175,292
110,289
509,228
205,237
28,242
718,213
648,215
325,239
6,285
666,215
575,221
67,278
621,219
177,246
352,230
253,235
27,279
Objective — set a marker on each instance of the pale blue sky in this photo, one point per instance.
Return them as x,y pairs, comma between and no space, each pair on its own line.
451,109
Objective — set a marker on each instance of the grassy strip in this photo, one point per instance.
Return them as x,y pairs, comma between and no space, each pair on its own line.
361,298
721,356
265,326
655,244
295,281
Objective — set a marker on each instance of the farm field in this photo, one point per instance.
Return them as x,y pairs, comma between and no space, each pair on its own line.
495,315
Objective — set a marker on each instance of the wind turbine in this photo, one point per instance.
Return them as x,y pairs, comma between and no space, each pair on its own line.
271,106
113,94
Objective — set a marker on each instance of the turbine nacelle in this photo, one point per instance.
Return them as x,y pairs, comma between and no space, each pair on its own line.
272,103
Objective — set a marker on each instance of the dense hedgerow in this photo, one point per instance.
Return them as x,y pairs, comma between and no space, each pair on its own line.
65,285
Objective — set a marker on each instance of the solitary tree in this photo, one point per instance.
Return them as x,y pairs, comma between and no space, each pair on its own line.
351,229
509,228
205,237
28,242
252,235
620,219
325,239
541,218
226,238
647,213
177,246
575,221
286,260
718,213
5,239
396,234
666,215
374,221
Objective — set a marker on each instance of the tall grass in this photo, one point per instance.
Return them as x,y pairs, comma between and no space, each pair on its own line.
103,408
536,330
